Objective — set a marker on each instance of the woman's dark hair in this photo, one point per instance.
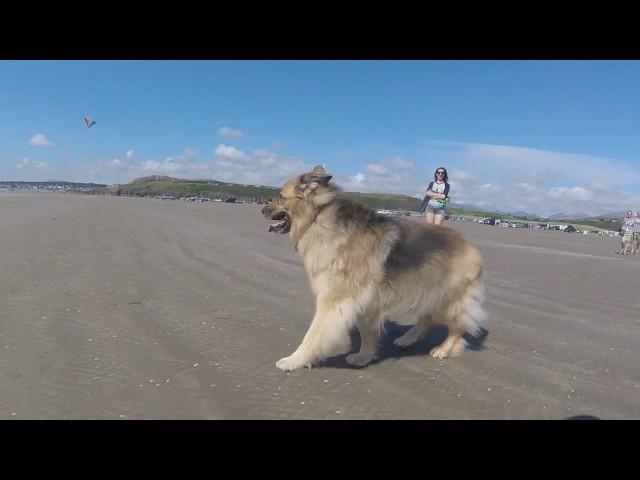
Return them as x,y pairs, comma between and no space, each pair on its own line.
445,178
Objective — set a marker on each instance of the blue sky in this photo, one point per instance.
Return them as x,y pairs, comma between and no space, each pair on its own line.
539,136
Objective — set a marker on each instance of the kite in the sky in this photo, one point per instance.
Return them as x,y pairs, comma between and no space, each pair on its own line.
90,123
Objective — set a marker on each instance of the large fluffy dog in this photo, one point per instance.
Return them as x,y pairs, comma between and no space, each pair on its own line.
364,267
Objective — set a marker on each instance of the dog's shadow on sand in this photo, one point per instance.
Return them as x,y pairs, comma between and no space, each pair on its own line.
386,349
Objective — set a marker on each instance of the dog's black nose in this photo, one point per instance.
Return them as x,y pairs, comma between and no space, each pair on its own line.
266,211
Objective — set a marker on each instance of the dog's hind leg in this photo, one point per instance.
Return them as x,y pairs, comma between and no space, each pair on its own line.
415,333
369,329
328,334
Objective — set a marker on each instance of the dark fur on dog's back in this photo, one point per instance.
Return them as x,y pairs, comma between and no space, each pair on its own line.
353,214
413,245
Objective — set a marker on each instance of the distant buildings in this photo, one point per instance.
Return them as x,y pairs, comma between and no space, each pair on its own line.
52,186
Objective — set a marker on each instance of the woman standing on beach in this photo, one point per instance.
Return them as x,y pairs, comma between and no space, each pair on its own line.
636,231
438,196
626,230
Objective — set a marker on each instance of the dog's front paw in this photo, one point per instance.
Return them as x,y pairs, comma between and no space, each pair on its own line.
358,360
440,352
292,362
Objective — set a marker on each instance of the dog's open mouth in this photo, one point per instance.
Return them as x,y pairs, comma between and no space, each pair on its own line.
283,225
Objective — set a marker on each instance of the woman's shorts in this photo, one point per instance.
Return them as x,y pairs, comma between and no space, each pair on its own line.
435,210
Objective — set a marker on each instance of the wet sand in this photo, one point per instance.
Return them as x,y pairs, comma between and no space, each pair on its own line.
130,308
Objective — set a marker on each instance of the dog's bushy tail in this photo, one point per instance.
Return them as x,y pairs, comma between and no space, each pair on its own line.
466,313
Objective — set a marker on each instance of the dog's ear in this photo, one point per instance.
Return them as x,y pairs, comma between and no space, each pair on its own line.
318,176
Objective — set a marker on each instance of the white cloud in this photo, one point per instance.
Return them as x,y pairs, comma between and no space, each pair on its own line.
542,166
261,153
490,189
399,162
39,140
388,165
29,170
26,164
388,175
230,132
129,154
543,176
230,153
267,158
262,168
524,186
357,181
573,193
177,165
377,169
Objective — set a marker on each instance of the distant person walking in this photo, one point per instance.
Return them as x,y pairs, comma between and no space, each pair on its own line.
437,196
636,232
627,230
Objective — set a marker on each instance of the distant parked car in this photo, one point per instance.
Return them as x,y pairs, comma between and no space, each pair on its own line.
570,229
490,221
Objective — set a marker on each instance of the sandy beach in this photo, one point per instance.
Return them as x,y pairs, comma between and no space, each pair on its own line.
134,308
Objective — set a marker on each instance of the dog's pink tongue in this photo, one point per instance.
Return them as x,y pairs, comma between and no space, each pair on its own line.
273,226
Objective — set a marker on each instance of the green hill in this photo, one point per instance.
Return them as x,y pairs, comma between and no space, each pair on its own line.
160,185
387,201
156,185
